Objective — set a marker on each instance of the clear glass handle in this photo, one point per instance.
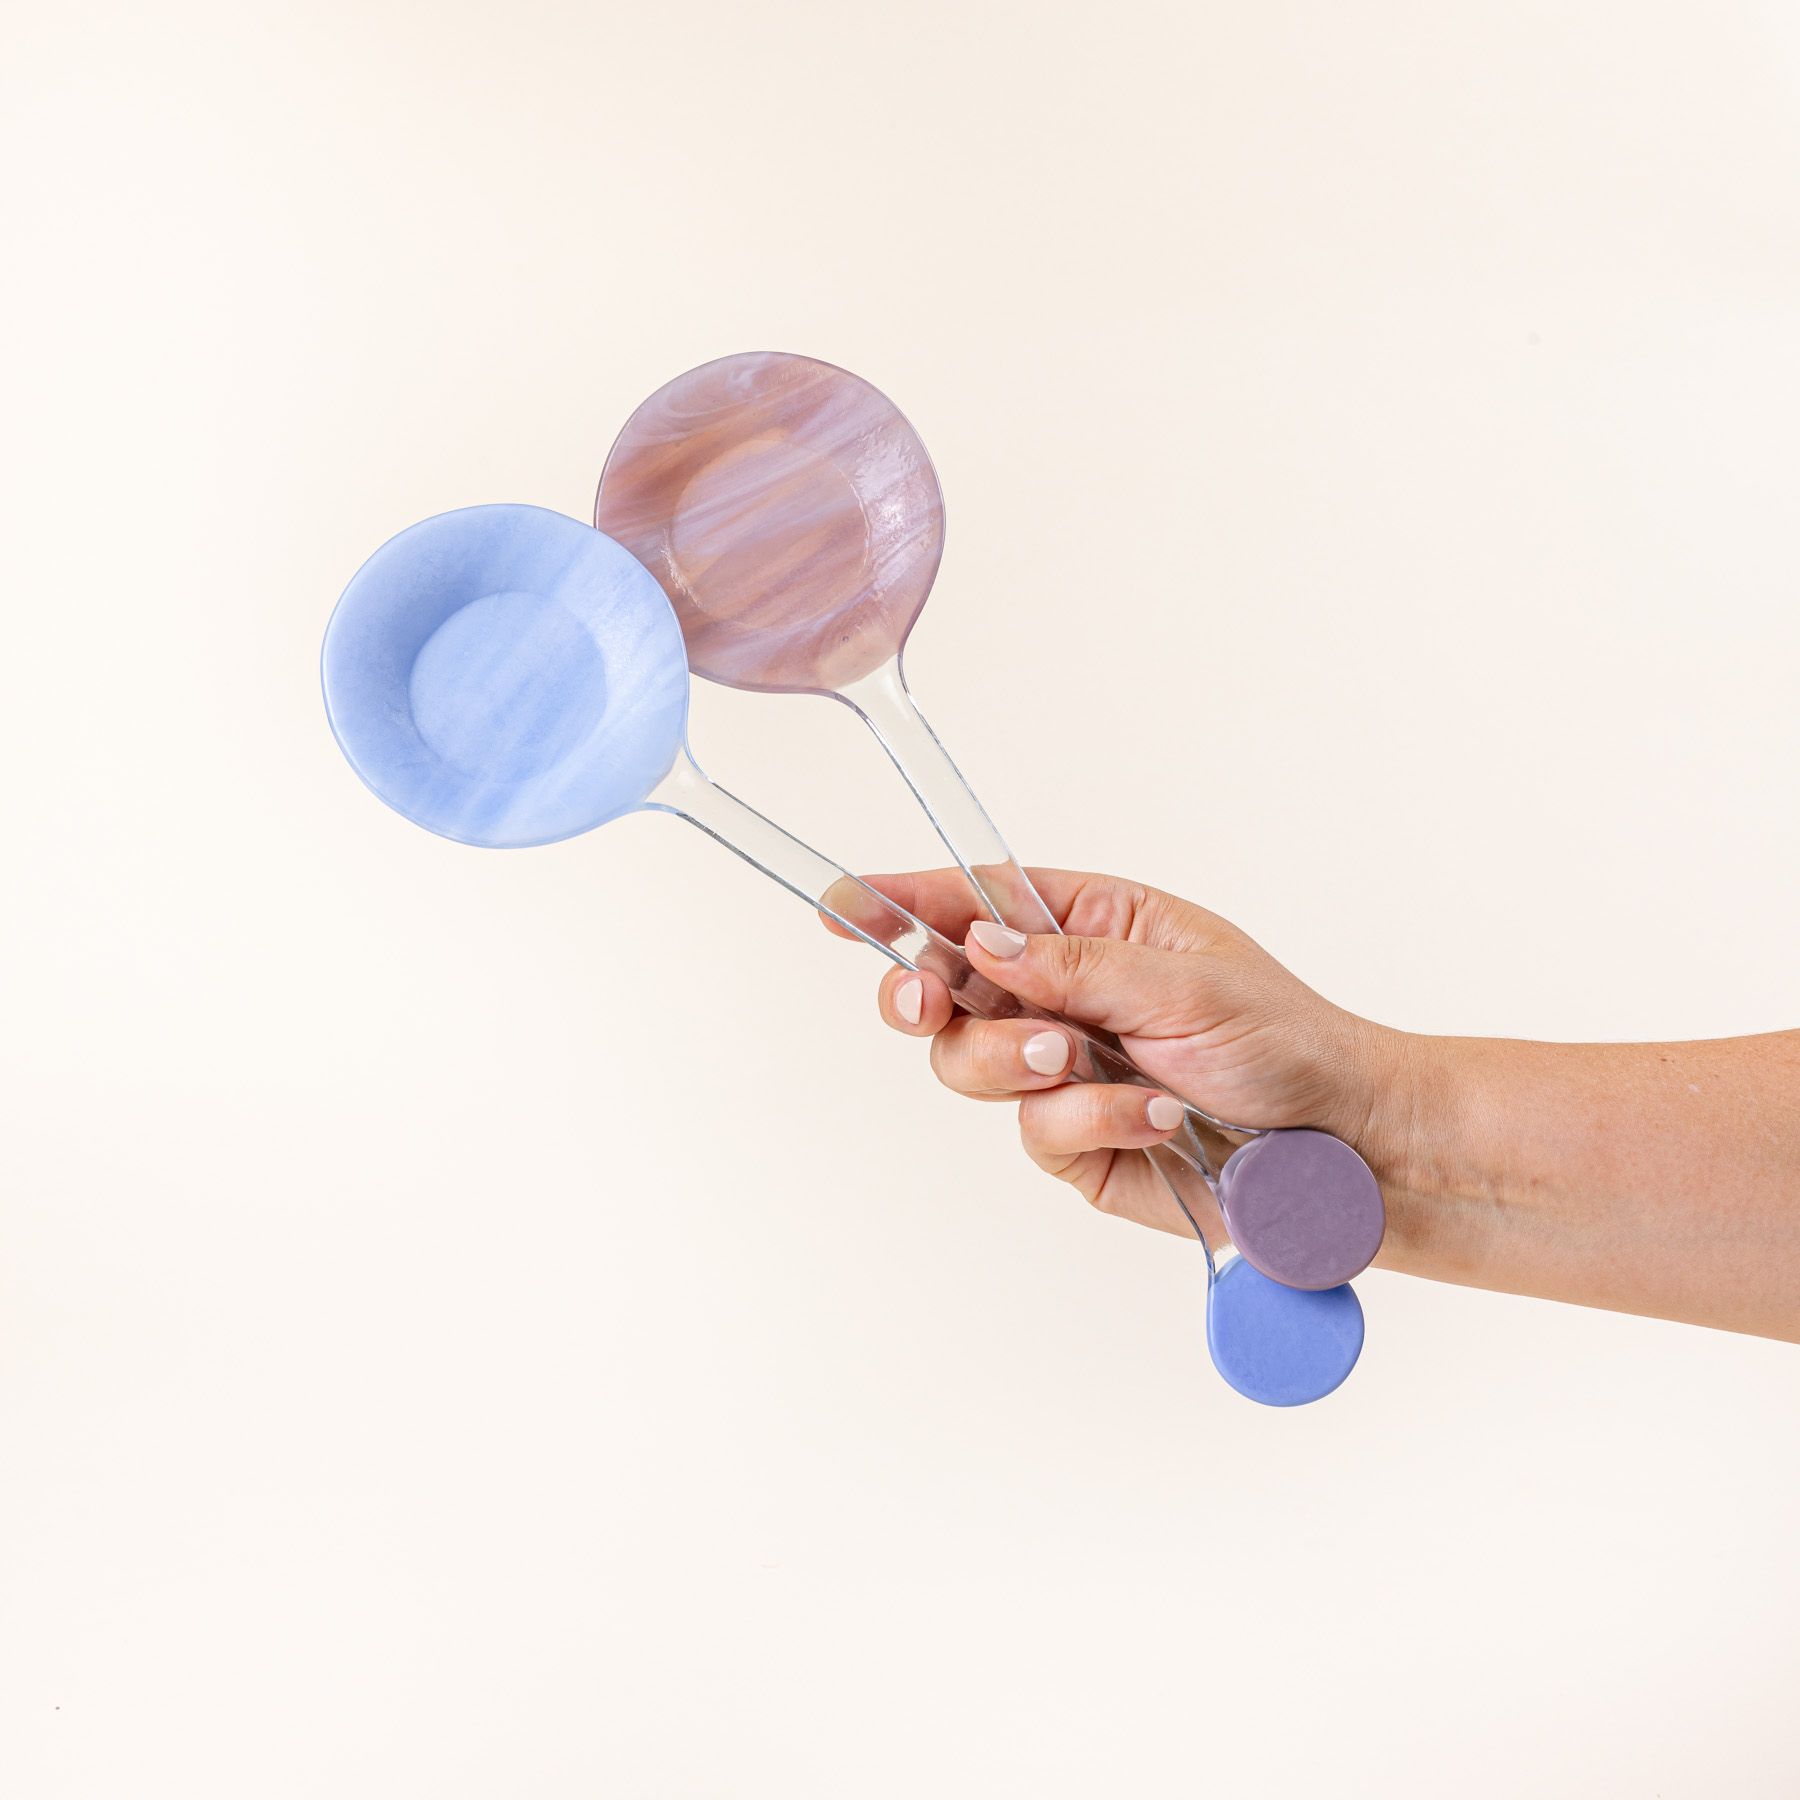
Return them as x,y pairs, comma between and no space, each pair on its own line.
687,792
887,707
889,710
1345,1223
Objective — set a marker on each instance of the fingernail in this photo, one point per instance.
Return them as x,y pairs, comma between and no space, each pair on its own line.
1047,1053
997,940
909,1000
1165,1113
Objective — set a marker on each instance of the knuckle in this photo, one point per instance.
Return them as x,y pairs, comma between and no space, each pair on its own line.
1060,1126
947,1057
993,1056
970,1056
1096,1113
1134,908
1065,960
1042,1146
1108,1194
1032,1141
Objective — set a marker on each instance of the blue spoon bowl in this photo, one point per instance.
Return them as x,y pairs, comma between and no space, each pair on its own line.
505,676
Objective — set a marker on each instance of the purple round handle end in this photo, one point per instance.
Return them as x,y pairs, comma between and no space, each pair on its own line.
1303,1208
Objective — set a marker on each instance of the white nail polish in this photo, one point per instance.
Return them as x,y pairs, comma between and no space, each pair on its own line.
997,940
909,1000
1165,1113
1047,1053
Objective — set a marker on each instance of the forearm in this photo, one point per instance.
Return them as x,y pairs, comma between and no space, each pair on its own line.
1650,1178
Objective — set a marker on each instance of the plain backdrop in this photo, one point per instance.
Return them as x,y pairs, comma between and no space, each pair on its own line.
486,1324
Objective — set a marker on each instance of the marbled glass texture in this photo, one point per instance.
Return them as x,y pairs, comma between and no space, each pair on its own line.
506,676
790,513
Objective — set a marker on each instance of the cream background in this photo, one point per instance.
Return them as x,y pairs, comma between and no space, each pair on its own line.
479,1324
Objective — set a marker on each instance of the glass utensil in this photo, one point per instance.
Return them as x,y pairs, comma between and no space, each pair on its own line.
506,677
795,522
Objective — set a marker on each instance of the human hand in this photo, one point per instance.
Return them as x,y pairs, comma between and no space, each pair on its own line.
1524,1167
1196,1004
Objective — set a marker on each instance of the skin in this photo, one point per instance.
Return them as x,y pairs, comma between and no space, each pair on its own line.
1661,1179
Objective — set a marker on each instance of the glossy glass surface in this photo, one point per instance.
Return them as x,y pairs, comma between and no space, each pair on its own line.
1303,1207
1279,1345
506,676
792,517
790,513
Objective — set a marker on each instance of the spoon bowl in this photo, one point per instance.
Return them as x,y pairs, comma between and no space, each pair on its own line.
505,676
795,522
790,513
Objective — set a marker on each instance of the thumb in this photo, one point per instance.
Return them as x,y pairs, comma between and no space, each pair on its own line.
1108,982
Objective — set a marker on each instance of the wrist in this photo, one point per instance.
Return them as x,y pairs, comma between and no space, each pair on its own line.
1405,1118
1444,1172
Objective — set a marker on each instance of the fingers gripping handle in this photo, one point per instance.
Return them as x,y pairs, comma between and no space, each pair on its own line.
1094,1058
1301,1206
914,945
910,942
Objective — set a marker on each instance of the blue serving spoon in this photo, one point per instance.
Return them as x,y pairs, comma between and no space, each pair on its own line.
507,677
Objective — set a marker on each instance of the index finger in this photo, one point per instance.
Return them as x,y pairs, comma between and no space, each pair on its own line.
1088,905
943,898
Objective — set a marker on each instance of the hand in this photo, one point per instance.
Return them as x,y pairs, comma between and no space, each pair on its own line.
1525,1167
1197,1005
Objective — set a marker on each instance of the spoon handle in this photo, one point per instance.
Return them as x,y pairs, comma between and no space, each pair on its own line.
887,707
1302,1205
863,912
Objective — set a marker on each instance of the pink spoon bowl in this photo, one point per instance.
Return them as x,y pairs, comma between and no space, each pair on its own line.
793,518
790,513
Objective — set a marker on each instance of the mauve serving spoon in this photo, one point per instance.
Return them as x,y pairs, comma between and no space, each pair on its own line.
796,524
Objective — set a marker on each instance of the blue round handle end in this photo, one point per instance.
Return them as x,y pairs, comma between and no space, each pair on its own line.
1277,1345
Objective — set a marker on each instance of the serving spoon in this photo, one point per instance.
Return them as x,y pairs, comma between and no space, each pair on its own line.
506,677
795,521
